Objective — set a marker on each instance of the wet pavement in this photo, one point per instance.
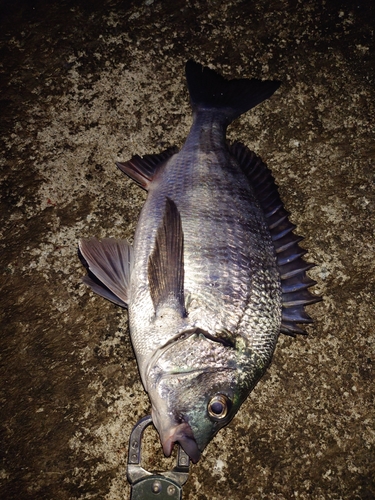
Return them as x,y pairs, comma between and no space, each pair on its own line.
84,84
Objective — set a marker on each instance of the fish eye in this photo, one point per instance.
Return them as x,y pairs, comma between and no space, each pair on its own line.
218,407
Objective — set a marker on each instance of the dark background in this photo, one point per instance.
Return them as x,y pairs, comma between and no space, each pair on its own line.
84,84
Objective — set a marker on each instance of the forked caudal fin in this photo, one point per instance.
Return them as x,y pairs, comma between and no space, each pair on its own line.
208,90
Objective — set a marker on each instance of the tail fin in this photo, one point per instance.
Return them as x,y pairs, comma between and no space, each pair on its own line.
208,89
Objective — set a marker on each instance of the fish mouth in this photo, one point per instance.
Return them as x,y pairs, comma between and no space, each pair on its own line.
183,435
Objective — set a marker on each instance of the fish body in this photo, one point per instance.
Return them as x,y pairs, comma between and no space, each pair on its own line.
215,272
225,236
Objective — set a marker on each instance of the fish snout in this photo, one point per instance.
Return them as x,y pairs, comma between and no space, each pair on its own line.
183,435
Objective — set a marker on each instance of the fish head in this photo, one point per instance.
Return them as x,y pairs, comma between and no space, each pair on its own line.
196,385
189,409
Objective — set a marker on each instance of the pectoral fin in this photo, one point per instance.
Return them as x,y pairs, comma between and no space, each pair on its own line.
166,262
109,263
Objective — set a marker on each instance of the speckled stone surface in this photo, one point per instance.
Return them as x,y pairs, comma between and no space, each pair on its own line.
84,84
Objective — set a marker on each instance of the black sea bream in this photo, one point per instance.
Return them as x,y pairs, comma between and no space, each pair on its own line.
215,272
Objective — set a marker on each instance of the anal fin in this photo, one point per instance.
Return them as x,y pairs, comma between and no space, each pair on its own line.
142,169
166,262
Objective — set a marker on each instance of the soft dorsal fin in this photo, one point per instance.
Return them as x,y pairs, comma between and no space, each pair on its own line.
292,267
143,169
166,262
109,263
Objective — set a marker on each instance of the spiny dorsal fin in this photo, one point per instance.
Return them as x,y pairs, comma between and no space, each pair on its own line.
166,262
109,263
292,267
142,169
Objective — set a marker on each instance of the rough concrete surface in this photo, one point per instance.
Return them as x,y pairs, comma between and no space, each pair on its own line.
86,83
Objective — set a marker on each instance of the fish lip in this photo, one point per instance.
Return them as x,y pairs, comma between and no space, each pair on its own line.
183,435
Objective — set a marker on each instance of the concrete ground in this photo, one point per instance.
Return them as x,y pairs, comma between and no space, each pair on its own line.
86,83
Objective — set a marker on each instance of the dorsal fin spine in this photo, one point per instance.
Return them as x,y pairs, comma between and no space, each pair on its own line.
292,267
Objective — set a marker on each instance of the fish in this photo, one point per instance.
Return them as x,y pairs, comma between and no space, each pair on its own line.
215,273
